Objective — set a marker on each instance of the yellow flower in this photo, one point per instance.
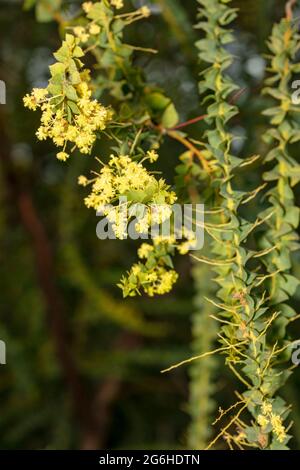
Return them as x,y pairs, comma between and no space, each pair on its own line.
145,250
40,94
62,156
152,155
29,102
152,277
117,4
160,213
266,408
278,428
82,180
87,6
142,226
145,11
37,96
136,269
262,421
123,178
184,248
167,239
172,197
167,279
41,133
81,33
59,123
94,29
119,231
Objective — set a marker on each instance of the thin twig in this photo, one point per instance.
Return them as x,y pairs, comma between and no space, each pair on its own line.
226,427
289,9
195,358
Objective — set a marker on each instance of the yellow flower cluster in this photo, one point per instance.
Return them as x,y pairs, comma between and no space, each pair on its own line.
84,33
262,421
144,197
278,428
145,250
37,97
267,417
80,130
69,114
266,408
157,280
154,274
125,190
160,281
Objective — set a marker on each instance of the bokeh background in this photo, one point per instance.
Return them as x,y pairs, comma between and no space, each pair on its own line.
83,365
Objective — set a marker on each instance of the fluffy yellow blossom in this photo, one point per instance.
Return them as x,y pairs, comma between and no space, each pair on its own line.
154,275
136,269
41,133
145,11
69,114
190,243
184,247
29,102
87,6
82,180
35,99
152,155
118,4
278,428
125,178
262,421
82,129
158,280
81,33
172,198
62,156
166,282
145,250
267,417
164,240
94,29
160,213
266,408
143,225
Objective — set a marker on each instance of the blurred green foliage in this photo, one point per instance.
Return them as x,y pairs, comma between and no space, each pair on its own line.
103,387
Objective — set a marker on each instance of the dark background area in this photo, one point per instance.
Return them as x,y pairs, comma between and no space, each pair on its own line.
83,365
